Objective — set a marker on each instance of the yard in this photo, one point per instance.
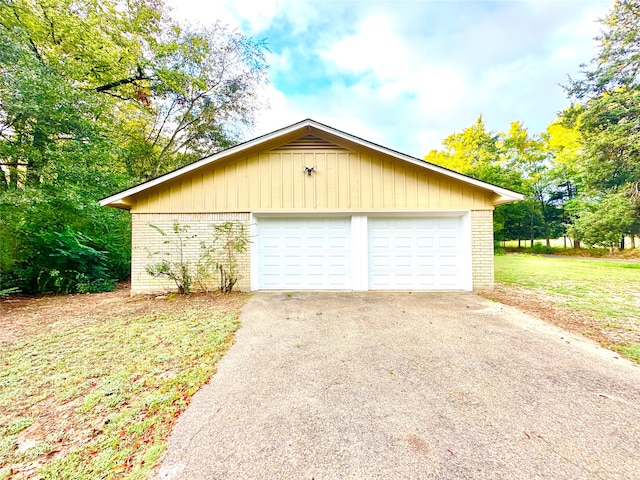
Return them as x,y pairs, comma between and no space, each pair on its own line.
91,385
597,298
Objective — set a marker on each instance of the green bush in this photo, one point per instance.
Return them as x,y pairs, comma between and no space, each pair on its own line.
49,233
67,263
539,248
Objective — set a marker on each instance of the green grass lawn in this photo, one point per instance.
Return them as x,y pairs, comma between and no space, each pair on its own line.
605,290
99,400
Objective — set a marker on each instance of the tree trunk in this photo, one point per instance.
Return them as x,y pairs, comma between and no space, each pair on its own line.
531,232
13,174
576,244
4,184
545,221
622,243
633,241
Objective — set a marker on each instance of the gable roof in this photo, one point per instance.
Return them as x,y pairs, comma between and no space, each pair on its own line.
298,133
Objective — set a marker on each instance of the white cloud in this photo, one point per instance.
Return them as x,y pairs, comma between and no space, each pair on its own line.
375,47
407,74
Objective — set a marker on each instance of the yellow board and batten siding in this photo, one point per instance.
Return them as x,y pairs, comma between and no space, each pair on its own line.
344,181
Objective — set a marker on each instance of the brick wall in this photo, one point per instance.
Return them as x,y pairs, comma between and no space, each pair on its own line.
149,247
482,249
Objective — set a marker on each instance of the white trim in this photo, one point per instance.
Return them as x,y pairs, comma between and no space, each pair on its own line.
348,213
359,253
504,195
253,253
466,238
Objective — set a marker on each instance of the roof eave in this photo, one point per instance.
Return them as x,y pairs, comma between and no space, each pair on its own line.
502,200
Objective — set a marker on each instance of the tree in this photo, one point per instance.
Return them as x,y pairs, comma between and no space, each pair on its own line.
97,96
473,152
206,87
608,114
167,94
514,160
617,63
605,222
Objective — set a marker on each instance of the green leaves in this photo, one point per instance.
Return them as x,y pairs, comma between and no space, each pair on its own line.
96,96
588,160
519,161
605,222
608,120
617,63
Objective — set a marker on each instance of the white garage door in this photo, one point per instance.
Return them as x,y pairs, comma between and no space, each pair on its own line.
304,253
416,254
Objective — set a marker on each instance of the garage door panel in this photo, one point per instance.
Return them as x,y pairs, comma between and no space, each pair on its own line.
425,260
426,279
380,278
448,242
337,242
380,261
315,242
415,253
381,242
448,280
403,242
424,242
337,261
309,253
403,260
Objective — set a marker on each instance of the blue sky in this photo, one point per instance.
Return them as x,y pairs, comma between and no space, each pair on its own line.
407,73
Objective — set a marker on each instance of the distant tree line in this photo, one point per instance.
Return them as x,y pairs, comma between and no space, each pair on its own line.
581,176
96,96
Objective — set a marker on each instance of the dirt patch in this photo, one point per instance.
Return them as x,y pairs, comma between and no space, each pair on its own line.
568,318
24,316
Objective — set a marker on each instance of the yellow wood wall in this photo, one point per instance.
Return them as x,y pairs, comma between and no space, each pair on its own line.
345,180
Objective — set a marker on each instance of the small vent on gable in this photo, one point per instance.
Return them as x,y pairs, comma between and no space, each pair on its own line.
310,142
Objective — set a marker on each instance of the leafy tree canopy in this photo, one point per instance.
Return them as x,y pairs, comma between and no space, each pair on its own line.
608,115
96,96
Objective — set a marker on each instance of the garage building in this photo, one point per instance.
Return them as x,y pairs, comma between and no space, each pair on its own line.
326,211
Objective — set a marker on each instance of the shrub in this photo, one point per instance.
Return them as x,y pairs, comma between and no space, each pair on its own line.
46,232
67,263
539,248
175,266
229,239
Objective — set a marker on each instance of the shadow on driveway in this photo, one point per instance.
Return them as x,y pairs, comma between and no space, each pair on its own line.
408,385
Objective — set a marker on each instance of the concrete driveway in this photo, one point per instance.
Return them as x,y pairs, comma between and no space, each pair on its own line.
408,385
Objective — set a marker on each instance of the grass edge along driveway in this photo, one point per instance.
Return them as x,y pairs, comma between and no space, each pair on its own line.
597,298
99,400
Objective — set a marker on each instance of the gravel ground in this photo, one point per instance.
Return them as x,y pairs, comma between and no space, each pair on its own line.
407,385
